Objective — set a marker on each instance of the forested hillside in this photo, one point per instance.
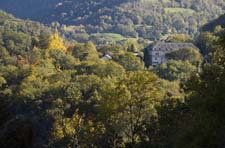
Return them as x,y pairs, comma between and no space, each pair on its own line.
57,96
148,19
57,93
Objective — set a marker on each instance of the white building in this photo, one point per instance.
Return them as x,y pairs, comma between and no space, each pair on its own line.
106,57
156,54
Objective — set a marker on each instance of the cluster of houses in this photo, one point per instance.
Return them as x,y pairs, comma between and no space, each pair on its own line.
155,54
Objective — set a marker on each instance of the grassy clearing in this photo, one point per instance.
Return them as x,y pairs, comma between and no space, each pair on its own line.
179,10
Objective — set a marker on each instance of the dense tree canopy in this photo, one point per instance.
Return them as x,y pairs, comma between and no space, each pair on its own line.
68,97
186,54
64,94
206,101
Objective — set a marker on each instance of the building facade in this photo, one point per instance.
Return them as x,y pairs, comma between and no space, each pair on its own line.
156,54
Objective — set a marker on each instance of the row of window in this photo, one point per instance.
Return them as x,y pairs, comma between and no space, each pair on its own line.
167,49
157,59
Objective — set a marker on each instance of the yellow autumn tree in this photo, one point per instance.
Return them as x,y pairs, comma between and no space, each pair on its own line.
56,42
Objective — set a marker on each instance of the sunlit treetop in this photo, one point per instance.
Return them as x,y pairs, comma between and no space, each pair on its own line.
56,42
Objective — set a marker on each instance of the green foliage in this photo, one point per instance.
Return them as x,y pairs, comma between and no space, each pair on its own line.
94,20
43,40
85,52
206,102
186,54
62,60
130,105
175,70
179,38
76,99
16,42
130,62
66,99
2,81
206,41
113,50
107,69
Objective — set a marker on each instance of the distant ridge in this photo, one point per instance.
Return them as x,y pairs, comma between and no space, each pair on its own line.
145,19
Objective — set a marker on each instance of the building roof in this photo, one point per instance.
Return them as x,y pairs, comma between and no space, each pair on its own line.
168,46
106,57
